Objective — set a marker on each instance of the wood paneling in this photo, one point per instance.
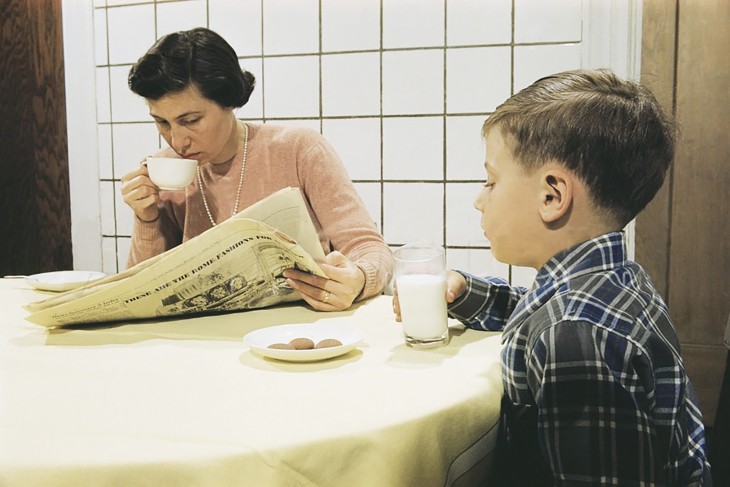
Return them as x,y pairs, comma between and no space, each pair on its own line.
35,223
700,254
682,237
657,72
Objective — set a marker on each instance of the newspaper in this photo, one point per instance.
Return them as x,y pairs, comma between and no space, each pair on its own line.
235,265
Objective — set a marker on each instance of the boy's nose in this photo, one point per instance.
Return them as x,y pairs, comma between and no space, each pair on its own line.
477,203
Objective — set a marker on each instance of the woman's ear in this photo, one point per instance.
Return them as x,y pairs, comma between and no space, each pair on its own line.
556,194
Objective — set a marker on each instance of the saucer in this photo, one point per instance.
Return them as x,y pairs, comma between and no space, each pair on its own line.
62,280
259,340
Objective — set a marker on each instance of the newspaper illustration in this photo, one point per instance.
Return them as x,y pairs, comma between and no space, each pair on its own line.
236,265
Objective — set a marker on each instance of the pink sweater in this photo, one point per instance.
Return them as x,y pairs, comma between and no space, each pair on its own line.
277,157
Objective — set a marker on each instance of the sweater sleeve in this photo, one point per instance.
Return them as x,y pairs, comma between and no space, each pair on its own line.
155,237
341,213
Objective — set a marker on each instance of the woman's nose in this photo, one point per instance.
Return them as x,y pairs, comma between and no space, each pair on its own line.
179,139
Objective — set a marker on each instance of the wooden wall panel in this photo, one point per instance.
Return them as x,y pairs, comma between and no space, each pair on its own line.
657,72
682,237
699,292
35,218
700,253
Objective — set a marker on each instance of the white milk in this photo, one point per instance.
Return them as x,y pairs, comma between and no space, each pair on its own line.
422,299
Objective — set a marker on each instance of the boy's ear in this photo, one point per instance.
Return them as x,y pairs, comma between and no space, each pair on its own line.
556,194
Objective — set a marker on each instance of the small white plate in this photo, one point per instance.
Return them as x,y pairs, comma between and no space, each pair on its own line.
62,280
259,340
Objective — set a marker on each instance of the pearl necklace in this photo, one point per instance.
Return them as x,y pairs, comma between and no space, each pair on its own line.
240,181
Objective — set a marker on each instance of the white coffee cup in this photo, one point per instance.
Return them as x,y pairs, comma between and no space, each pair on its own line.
171,173
420,276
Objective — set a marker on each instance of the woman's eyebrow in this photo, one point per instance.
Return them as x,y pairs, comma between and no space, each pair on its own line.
178,117
187,114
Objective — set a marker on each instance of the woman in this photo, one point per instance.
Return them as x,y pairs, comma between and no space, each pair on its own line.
192,83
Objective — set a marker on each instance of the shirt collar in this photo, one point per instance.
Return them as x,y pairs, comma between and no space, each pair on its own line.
598,254
595,255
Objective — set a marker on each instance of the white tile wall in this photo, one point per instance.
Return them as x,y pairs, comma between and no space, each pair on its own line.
108,218
291,26
539,21
124,214
131,32
469,71
413,23
413,212
132,143
480,262
291,86
351,84
413,81
413,148
101,48
312,123
123,245
109,256
371,196
533,62
350,26
400,88
125,105
254,109
112,3
475,22
239,23
176,16
104,147
103,99
465,149
463,229
357,142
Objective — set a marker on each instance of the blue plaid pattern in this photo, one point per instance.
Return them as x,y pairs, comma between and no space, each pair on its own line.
595,388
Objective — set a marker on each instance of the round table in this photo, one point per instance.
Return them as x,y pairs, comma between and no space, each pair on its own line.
185,402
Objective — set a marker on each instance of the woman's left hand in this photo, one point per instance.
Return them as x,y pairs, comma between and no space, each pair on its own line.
337,293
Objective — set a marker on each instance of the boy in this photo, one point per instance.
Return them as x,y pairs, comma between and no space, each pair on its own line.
595,389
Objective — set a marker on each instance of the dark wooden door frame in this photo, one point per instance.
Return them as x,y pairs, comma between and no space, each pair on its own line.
35,215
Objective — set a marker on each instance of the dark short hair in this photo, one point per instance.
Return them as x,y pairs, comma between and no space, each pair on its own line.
198,56
610,132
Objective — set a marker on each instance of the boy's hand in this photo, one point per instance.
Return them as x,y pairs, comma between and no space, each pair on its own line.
455,287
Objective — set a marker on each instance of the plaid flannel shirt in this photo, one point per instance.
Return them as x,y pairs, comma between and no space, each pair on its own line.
595,388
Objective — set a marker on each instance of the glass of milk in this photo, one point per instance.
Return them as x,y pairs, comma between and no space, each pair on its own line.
420,278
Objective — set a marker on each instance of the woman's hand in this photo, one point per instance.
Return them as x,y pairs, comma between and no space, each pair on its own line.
141,194
337,293
455,287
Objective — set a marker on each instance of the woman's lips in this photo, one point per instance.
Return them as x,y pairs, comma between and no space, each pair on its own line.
194,155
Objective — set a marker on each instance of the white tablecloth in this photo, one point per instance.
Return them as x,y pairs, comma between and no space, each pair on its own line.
184,402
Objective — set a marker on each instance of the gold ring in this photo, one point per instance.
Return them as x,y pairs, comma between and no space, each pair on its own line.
326,297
